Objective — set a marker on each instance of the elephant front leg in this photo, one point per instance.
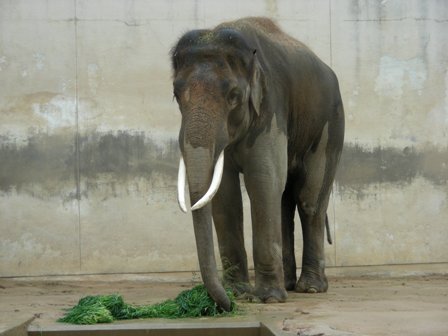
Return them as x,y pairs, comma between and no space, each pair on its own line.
265,199
265,181
228,219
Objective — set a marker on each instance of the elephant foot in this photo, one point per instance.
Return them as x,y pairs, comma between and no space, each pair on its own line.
271,294
311,283
290,284
240,289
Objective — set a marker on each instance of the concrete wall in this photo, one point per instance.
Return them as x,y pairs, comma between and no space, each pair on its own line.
88,128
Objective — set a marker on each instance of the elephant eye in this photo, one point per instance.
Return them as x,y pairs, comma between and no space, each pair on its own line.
234,97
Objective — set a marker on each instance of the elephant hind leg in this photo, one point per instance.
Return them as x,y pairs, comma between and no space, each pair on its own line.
312,202
289,259
312,278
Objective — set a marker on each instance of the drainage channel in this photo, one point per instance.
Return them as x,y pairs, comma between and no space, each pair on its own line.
151,329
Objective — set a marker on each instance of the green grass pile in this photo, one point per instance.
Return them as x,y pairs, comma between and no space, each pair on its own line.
194,302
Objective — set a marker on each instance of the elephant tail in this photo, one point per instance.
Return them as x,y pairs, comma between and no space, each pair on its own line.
327,226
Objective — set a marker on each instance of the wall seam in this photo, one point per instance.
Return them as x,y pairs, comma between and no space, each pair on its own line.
332,193
331,44
77,141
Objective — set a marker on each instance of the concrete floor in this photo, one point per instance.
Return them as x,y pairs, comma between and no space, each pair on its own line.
370,305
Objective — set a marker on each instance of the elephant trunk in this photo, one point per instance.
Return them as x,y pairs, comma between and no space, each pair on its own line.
204,242
200,167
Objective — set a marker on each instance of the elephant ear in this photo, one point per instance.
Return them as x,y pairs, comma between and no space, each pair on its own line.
257,84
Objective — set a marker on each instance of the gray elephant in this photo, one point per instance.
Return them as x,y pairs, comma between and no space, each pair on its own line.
258,102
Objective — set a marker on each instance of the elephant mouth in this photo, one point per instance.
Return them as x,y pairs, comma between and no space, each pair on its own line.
212,190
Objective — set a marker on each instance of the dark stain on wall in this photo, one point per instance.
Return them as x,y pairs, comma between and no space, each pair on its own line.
50,161
126,155
45,161
360,166
47,164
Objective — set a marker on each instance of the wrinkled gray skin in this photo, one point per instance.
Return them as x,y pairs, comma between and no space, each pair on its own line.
274,107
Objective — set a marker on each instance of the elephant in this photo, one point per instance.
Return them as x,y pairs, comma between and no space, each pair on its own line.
256,102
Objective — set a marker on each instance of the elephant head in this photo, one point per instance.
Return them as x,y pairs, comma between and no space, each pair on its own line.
218,84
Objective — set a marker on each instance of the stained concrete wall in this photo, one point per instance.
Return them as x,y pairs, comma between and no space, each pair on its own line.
88,128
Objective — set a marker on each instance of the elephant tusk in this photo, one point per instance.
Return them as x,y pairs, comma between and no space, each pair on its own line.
214,186
181,185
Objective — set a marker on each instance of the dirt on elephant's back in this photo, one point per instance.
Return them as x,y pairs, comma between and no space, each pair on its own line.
361,306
